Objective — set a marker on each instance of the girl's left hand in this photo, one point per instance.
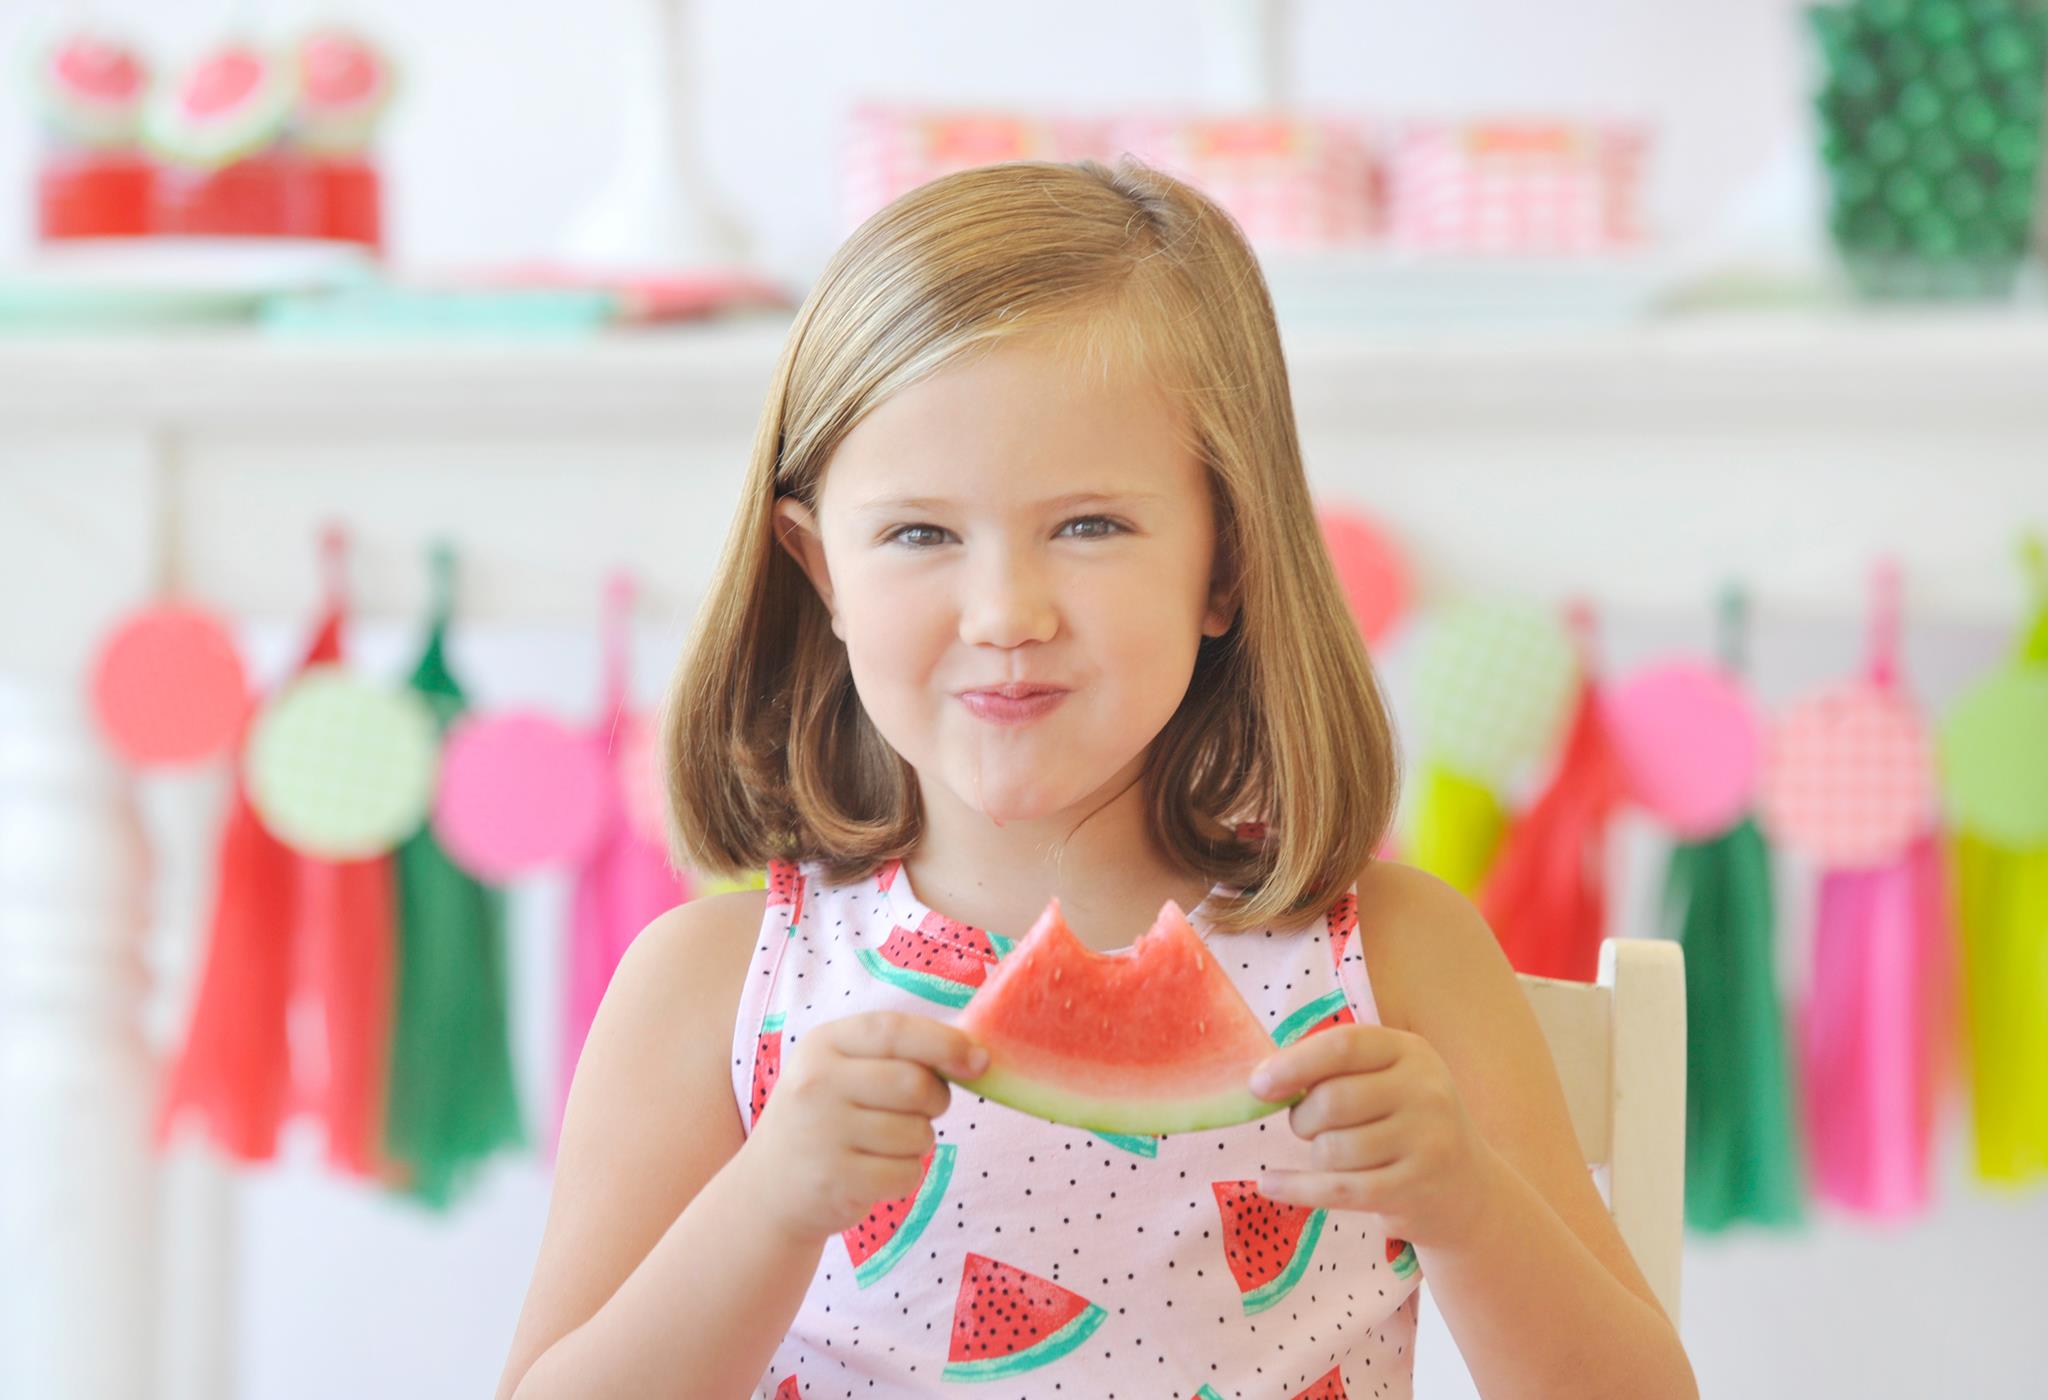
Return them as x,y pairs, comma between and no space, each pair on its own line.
1388,1130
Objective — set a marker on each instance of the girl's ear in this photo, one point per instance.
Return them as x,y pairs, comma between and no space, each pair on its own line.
796,530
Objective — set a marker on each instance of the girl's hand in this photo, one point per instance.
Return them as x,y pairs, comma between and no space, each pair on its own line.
850,1119
1389,1132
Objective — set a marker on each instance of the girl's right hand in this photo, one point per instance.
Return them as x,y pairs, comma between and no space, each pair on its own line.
850,1118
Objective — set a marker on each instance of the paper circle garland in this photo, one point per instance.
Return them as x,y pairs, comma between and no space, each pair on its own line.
1494,682
1994,758
518,791
341,768
1690,745
638,753
168,687
1848,776
1371,571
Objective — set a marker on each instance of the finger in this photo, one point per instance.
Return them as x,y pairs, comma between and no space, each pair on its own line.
882,1134
1357,1149
895,1086
1321,1190
1343,1102
903,1035
1349,1049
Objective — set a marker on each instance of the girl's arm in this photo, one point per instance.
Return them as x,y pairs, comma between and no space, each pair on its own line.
654,1276
1544,1298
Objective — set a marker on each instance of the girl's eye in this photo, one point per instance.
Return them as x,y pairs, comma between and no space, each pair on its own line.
914,535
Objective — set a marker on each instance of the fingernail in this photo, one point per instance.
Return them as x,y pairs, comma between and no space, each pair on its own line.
976,1062
1262,1082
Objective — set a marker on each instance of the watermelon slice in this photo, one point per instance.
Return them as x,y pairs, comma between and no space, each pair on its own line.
1330,1387
1007,1321
786,891
1267,1243
1151,1039
878,1242
767,1062
1342,921
233,103
1329,1009
345,83
1401,1255
941,960
92,88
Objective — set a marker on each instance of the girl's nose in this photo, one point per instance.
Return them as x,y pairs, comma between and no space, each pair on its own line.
1008,602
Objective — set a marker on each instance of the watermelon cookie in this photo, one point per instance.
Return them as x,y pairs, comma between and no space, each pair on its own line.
1152,1039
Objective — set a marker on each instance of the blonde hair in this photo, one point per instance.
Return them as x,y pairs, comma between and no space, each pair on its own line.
767,750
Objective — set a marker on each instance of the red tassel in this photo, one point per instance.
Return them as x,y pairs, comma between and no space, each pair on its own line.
1546,896
232,1071
345,933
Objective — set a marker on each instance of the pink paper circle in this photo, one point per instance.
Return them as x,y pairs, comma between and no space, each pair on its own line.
519,791
168,687
1689,743
1369,568
638,751
1849,776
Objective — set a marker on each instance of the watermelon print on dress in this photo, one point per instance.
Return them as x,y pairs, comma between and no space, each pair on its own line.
786,890
878,1242
1325,1011
1342,921
767,1062
1007,1321
1330,1387
941,960
1267,1243
1207,1392
788,1389
1401,1255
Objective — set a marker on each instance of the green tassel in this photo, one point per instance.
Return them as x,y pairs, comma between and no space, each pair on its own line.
453,1099
1743,1159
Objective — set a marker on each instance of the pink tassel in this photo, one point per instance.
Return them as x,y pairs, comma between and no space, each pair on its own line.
1873,1034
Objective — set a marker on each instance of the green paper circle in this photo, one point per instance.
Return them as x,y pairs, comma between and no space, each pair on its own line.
341,768
1494,684
1994,758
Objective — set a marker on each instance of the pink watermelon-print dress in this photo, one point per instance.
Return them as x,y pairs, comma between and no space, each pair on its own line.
1037,1260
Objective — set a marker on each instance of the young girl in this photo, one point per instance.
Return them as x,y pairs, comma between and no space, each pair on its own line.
1025,598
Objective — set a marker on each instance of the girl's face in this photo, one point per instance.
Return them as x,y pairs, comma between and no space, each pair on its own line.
1006,523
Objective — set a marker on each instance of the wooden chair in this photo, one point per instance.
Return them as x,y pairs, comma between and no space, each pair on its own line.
1619,1045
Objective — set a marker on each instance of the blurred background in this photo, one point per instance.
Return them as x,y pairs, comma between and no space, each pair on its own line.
375,384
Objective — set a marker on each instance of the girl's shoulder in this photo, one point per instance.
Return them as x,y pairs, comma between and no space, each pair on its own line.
1413,929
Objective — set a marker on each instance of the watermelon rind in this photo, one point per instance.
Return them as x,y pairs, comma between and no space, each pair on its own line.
1207,1392
330,128
1405,1263
1129,1142
1296,1025
1002,945
921,1211
1137,1117
1271,1292
1039,1353
942,990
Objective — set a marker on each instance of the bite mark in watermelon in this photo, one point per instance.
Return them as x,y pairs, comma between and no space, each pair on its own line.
1150,1040
1007,1321
1401,1255
1330,1387
767,1062
877,1244
941,960
1267,1243
1329,1009
786,891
